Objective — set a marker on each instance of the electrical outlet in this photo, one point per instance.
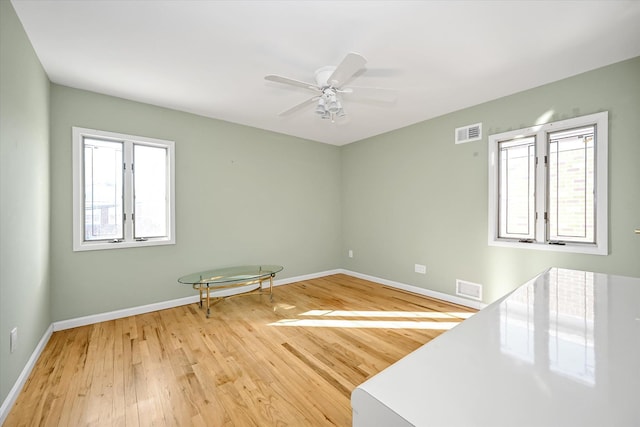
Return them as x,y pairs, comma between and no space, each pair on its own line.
350,253
14,340
422,269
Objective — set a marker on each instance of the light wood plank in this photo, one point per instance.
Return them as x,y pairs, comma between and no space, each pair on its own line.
250,363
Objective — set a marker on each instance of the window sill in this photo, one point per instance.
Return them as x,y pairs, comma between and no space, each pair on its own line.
97,246
567,248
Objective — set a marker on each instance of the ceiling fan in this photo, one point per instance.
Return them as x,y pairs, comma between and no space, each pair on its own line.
329,87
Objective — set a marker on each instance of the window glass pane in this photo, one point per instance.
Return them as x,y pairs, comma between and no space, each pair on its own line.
150,191
516,178
572,185
103,209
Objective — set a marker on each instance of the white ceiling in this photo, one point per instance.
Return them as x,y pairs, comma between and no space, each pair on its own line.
210,57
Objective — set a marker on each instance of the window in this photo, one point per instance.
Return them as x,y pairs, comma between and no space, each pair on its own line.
548,186
123,189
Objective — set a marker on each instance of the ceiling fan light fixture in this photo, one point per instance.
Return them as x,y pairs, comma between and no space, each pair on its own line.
329,105
320,108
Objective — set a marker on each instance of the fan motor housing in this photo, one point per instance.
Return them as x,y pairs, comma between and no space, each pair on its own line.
323,74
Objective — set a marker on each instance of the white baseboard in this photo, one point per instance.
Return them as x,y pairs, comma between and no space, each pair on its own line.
126,312
118,314
24,375
417,290
307,277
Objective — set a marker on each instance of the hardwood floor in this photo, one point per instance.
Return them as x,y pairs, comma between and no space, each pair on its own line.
293,361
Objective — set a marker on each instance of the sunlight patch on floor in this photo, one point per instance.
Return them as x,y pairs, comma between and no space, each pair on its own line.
408,314
366,324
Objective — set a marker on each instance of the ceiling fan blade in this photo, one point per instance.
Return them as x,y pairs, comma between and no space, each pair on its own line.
288,81
299,106
372,93
350,65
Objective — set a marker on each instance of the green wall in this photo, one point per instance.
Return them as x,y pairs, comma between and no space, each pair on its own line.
24,198
414,197
243,196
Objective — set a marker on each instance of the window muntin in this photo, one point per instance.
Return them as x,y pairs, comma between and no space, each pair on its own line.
517,188
570,193
123,190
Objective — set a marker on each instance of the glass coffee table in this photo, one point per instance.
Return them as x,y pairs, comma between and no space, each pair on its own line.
230,277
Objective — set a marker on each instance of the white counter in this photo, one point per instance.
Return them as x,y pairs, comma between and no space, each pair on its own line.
561,350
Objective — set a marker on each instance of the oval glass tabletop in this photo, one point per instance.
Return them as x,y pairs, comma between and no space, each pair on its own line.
230,275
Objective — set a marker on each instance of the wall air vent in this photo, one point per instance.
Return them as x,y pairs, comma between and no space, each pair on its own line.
469,290
469,133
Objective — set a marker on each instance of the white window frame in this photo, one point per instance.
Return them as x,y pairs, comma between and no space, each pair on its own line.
79,244
601,247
